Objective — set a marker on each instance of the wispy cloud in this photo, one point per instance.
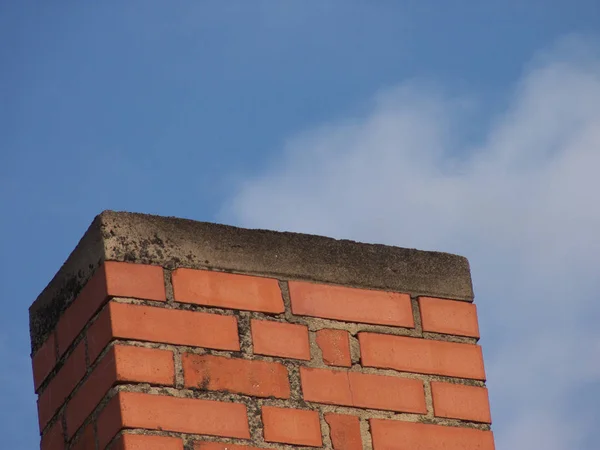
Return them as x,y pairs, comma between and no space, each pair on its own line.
522,204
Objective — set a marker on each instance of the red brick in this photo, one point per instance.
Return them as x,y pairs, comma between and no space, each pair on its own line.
53,438
109,421
87,439
65,380
135,281
122,364
255,378
81,310
361,390
140,364
221,446
344,431
43,361
100,332
280,339
163,325
226,290
146,442
449,317
335,347
179,415
397,435
291,426
417,355
456,401
351,305
90,393
112,279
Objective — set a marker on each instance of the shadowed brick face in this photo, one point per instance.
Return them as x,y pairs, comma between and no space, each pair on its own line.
162,334
44,361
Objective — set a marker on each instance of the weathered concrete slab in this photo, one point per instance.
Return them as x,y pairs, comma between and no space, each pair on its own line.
172,242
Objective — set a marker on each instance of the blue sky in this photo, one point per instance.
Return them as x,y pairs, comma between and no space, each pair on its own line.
469,127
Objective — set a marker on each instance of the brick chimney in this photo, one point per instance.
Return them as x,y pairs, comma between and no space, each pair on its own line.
164,333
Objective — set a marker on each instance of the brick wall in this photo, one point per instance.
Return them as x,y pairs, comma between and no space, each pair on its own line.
164,356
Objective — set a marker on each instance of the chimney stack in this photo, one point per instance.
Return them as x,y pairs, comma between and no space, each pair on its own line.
170,334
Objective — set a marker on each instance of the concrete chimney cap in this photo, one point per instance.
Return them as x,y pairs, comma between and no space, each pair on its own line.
173,242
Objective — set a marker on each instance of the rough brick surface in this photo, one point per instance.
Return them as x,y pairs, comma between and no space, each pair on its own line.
409,354
226,290
81,310
344,431
456,401
335,347
147,365
221,446
135,280
145,442
255,378
291,426
449,317
89,394
351,305
341,387
44,361
113,279
280,339
161,412
61,385
121,364
170,326
53,439
397,435
86,440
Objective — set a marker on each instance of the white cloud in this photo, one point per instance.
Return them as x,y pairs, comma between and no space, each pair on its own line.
523,205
